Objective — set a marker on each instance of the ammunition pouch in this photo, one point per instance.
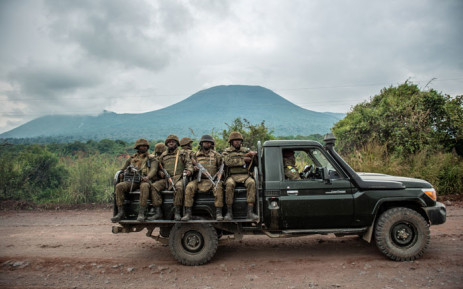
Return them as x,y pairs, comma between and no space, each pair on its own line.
136,178
234,160
237,170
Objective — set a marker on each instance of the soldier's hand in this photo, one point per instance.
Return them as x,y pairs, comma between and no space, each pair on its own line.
188,173
195,168
121,176
144,179
247,159
251,154
162,174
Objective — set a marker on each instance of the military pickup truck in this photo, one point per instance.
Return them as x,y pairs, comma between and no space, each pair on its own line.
330,198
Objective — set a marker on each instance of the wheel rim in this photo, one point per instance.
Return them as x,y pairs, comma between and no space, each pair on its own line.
193,241
403,234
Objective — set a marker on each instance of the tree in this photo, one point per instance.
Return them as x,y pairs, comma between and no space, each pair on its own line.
251,133
405,119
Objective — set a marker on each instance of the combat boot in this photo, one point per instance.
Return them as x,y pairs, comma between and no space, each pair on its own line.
177,216
229,215
157,214
187,216
141,214
218,214
251,214
119,216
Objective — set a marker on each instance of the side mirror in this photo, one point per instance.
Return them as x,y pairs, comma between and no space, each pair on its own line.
325,175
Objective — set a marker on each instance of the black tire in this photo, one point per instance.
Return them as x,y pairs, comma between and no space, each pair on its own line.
402,234
193,244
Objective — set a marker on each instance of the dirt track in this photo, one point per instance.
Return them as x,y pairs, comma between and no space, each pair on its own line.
76,249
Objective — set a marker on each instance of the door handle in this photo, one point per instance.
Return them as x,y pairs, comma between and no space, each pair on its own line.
336,192
293,193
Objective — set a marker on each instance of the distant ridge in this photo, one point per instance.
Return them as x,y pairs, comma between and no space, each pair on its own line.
201,113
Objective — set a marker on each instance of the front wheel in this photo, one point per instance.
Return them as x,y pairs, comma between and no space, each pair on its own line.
193,244
402,234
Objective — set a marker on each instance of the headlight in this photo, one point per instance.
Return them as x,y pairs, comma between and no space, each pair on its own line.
431,193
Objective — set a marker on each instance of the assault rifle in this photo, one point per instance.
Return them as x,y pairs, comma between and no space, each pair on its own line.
203,170
132,173
219,175
168,177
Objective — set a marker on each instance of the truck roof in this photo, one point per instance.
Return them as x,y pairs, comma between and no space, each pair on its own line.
292,143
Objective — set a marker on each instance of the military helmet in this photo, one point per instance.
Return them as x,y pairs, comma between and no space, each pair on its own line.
141,142
208,138
172,137
186,140
159,148
235,135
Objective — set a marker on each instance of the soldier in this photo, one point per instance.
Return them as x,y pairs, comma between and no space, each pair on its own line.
142,162
289,163
187,144
159,148
238,161
212,161
176,162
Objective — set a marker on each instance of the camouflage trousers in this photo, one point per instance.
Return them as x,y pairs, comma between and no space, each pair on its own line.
124,187
204,186
161,185
248,182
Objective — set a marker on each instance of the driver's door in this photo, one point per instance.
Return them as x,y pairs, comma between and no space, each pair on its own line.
315,202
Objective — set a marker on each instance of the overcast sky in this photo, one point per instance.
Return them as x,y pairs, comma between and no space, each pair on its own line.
83,57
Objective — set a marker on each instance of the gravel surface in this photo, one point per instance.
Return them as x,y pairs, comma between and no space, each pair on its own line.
76,249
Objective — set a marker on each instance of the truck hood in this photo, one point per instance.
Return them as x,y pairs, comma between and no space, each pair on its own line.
407,182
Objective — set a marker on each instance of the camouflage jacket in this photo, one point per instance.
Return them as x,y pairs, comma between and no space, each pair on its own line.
211,161
234,160
177,160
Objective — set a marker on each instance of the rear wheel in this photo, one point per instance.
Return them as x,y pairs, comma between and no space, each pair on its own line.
193,244
402,234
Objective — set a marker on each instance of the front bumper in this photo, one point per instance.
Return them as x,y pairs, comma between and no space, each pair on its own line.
437,214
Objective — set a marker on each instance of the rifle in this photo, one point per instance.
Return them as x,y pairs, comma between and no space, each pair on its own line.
168,177
219,175
203,170
134,170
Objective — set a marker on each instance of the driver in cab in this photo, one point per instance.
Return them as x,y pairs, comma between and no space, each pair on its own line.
289,163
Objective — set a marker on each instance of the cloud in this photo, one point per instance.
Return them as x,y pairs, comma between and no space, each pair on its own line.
135,56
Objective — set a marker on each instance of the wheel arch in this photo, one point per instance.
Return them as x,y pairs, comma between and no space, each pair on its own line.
384,205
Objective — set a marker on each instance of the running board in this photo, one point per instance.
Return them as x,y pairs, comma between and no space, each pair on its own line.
135,222
346,231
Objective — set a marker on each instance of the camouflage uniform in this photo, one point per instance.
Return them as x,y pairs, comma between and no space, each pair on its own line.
238,172
143,162
212,161
291,172
174,163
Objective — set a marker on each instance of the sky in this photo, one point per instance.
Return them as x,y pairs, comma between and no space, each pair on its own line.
84,57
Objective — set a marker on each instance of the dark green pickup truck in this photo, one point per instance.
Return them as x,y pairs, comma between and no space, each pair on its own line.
330,197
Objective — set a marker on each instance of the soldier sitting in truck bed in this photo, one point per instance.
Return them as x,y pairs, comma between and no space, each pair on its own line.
238,161
212,162
139,166
173,163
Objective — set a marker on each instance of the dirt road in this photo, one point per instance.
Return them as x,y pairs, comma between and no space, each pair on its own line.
76,249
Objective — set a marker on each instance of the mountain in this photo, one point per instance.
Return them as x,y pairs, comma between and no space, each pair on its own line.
201,113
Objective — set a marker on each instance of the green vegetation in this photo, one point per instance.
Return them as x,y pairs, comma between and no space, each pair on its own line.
407,131
402,131
82,172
